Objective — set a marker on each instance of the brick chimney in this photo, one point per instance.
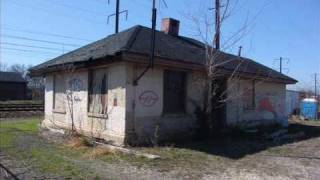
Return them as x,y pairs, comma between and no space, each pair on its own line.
170,26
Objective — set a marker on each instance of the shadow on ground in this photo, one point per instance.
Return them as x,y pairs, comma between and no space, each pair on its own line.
238,145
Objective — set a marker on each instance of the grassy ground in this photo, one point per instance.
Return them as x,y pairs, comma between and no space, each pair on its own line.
19,139
225,156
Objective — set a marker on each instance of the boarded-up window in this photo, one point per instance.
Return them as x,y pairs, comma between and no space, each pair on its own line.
174,92
59,92
98,91
249,96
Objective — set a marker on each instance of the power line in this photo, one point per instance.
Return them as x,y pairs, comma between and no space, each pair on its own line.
39,40
23,45
29,55
76,8
88,20
27,50
45,33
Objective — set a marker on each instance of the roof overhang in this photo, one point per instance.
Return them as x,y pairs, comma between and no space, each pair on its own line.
68,67
143,59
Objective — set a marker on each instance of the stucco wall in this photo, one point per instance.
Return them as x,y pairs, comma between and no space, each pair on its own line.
135,112
145,106
269,103
110,127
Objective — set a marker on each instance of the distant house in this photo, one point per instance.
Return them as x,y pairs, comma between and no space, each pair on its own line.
12,86
94,87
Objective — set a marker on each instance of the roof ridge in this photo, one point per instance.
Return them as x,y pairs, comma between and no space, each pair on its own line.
191,41
133,37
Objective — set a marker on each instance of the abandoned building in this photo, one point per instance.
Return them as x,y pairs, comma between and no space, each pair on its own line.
12,86
94,89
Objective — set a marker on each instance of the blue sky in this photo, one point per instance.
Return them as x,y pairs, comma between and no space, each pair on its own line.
286,28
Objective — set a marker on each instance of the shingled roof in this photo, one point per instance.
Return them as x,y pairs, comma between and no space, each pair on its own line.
181,49
11,77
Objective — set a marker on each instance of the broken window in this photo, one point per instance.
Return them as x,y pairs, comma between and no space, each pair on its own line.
98,91
249,96
59,90
174,92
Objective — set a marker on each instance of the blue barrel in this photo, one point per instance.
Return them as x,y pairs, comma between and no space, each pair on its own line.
309,108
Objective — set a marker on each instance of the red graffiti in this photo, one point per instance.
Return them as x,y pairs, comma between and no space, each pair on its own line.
148,98
265,104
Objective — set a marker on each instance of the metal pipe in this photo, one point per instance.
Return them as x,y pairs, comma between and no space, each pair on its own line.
152,45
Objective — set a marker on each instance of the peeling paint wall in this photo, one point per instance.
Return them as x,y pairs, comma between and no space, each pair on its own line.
135,113
110,127
269,103
145,108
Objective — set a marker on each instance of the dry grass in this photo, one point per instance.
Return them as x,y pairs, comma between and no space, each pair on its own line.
98,151
78,142
91,152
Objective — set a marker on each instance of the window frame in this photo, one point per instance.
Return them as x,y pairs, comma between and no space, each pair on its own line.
54,98
184,95
90,92
252,88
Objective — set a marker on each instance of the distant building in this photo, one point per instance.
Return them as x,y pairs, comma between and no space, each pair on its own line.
293,99
12,86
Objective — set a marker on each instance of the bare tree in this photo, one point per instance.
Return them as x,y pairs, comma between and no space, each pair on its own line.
3,66
20,68
218,83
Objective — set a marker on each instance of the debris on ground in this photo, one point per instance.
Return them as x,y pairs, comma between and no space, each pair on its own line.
126,151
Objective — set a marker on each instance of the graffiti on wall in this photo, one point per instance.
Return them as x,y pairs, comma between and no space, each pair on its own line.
75,85
148,98
273,104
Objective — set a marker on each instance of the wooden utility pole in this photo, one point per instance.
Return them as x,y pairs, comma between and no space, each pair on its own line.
117,16
217,27
280,64
0,30
315,85
239,52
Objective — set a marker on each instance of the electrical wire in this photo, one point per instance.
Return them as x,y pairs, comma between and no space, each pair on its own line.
88,20
45,33
31,46
38,40
27,50
76,8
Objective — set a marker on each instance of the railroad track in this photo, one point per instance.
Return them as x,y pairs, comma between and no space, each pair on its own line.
21,107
